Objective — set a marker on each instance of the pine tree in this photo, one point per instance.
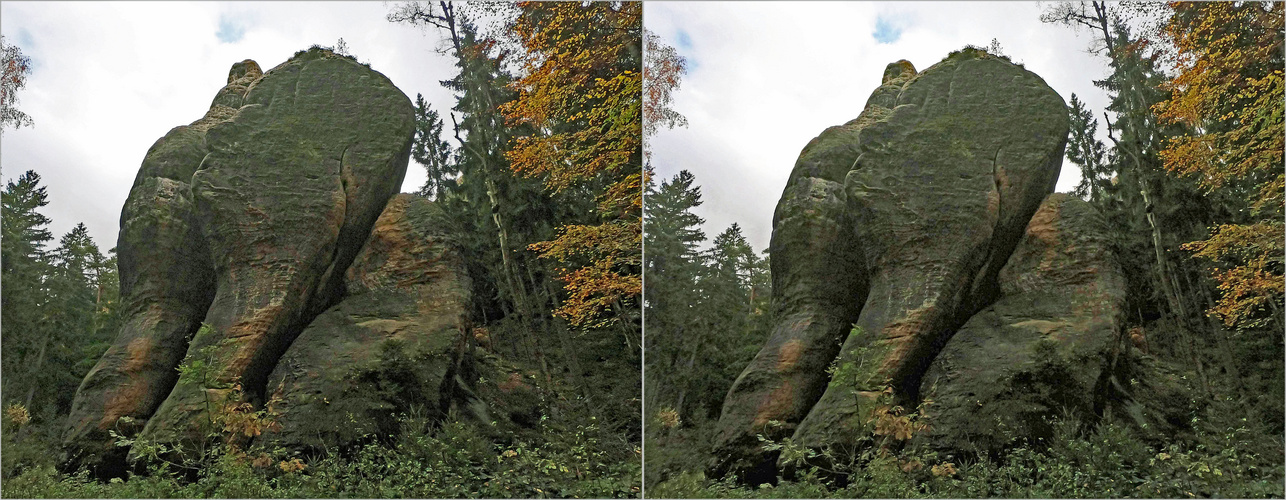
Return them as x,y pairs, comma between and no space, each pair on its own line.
69,315
432,152
1086,151
673,263
24,266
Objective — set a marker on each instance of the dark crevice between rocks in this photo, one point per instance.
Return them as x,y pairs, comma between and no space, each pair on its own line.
330,291
331,286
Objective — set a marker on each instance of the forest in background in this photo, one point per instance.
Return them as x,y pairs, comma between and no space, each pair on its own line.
538,169
1191,185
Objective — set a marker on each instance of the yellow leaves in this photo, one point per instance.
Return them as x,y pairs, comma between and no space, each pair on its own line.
891,421
17,414
238,417
1228,88
262,461
945,470
668,417
581,100
1249,278
594,290
293,465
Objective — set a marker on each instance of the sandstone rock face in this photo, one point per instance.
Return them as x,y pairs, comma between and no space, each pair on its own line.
1043,347
388,347
899,222
286,196
246,220
167,283
819,285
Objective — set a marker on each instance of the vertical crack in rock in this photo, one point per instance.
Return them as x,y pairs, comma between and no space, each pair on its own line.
405,321
240,221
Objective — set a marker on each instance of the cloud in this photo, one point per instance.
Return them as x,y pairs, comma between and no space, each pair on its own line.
885,32
229,30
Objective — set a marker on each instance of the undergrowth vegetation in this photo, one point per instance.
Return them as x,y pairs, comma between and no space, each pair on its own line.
1229,457
570,456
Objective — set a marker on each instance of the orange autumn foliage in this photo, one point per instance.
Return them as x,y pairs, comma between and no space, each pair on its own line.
582,95
1229,89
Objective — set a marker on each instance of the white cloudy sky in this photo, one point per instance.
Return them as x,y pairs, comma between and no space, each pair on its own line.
765,78
110,78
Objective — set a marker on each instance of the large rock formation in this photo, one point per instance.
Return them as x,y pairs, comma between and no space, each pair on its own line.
392,345
167,284
1043,348
891,234
251,221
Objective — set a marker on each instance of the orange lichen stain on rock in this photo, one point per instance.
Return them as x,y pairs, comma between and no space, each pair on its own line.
1044,228
128,398
788,355
896,351
250,334
911,324
775,405
138,354
258,322
124,402
402,261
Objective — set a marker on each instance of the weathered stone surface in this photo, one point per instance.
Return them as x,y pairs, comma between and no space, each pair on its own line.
819,284
285,199
167,283
247,220
939,196
394,344
899,222
1043,347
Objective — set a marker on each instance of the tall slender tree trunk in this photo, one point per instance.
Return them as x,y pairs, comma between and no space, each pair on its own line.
35,370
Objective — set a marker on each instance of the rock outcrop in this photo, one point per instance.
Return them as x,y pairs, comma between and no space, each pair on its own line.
1042,349
891,234
167,284
287,194
393,345
257,221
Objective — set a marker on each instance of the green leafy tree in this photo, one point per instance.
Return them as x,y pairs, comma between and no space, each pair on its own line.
1228,90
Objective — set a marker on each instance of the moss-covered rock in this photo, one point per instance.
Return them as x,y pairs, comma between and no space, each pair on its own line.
819,283
898,222
286,198
247,219
167,283
396,344
1043,349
